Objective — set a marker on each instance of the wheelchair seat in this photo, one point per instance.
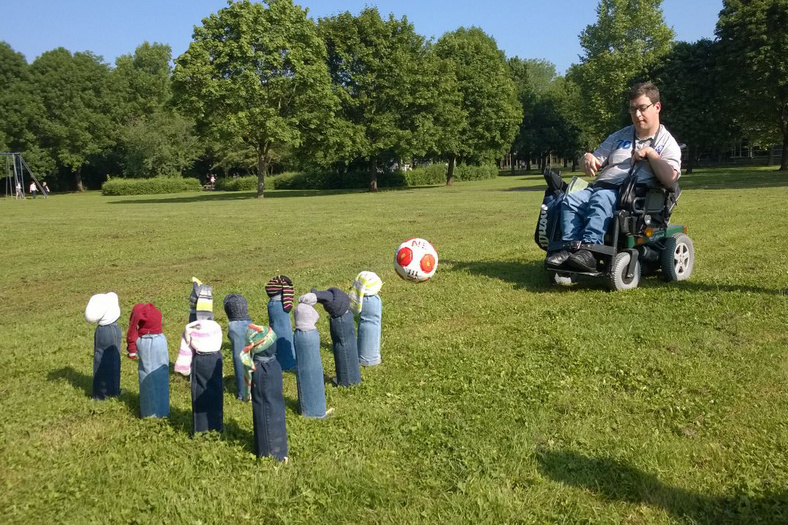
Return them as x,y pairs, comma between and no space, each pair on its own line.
646,204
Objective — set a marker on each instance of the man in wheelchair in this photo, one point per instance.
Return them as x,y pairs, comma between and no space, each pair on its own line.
628,162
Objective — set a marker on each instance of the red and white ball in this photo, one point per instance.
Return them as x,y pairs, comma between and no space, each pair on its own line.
416,260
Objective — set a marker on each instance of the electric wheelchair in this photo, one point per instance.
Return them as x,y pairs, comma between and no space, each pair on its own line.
640,240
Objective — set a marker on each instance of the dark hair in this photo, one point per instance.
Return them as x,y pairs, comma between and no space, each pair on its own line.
644,88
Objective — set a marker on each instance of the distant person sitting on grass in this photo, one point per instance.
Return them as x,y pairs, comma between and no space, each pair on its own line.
586,215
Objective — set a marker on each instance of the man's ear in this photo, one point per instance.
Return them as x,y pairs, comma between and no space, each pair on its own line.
658,106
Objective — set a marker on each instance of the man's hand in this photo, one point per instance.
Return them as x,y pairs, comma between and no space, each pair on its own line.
643,154
591,164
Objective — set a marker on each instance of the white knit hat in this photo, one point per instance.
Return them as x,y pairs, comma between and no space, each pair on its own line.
103,308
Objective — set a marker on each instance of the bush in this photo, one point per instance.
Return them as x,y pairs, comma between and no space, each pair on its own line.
331,180
432,174
487,171
248,183
150,186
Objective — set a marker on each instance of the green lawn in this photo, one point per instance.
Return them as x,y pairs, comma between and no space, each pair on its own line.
501,399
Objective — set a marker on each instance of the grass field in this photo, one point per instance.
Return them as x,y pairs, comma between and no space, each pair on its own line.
501,398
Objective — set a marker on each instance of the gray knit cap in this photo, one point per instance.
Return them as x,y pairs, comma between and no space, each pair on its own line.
235,307
335,301
305,314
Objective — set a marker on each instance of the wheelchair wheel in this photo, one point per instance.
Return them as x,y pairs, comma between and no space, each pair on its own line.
678,258
617,278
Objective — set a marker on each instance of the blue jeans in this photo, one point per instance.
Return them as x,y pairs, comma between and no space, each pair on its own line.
369,331
586,215
237,335
106,361
207,398
154,372
268,409
309,374
343,336
280,323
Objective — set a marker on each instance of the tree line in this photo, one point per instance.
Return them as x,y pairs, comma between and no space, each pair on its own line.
262,86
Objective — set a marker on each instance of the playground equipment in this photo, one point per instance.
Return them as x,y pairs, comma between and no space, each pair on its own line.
16,167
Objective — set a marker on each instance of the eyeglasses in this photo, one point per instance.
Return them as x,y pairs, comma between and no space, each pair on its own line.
642,109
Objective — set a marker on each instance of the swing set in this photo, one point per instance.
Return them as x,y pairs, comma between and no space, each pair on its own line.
16,167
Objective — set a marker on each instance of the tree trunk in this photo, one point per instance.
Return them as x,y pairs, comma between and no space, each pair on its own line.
262,167
528,163
691,154
373,176
784,161
78,178
512,158
450,170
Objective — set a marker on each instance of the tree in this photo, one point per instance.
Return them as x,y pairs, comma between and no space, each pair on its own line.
488,96
74,123
153,139
13,71
392,90
753,39
142,81
256,72
533,79
628,38
161,144
693,106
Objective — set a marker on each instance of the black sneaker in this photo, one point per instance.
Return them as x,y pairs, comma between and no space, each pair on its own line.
556,259
583,260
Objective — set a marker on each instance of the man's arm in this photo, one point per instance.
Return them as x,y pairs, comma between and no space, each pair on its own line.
590,164
665,173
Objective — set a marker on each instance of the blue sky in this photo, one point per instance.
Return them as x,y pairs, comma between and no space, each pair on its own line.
524,28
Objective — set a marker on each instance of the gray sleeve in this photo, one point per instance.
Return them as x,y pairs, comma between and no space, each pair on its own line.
671,153
605,149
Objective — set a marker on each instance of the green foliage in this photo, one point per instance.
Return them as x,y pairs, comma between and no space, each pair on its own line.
73,93
550,124
174,184
753,46
21,112
160,144
256,72
13,66
500,399
141,82
248,183
329,180
695,114
392,90
426,176
627,40
489,101
483,172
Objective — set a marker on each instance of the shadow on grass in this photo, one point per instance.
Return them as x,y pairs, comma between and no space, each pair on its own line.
734,179
530,275
179,419
695,286
249,195
533,276
616,481
231,196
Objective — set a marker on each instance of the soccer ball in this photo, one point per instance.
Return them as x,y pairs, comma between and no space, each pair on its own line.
416,260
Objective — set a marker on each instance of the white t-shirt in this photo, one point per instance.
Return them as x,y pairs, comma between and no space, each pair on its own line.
615,154
32,187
